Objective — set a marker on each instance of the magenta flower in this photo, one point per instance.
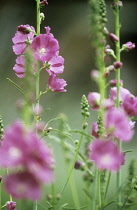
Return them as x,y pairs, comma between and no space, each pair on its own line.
118,124
11,205
45,47
94,99
23,185
106,155
56,84
19,67
55,65
21,40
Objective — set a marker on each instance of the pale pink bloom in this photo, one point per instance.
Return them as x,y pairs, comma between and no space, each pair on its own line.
56,84
22,147
11,205
37,109
19,67
106,155
118,124
21,40
23,185
44,47
94,99
107,103
55,65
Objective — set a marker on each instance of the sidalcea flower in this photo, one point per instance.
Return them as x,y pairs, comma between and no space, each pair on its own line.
118,124
106,155
22,38
23,148
19,67
93,99
11,205
44,47
56,84
55,65
23,185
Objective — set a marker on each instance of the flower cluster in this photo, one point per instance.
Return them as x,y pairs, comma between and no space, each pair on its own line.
44,48
22,148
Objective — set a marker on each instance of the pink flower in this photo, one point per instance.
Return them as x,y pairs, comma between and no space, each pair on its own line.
56,84
23,185
55,65
23,148
21,40
19,67
45,47
94,99
11,205
118,124
106,155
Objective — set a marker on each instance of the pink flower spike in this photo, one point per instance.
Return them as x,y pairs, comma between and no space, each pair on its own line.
106,155
55,64
23,185
56,84
117,124
93,99
45,47
11,205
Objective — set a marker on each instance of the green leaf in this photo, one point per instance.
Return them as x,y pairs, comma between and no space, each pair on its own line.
18,87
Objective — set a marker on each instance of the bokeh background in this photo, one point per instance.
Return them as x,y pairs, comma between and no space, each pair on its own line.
70,24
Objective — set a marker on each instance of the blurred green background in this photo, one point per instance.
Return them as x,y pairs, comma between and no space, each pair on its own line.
70,24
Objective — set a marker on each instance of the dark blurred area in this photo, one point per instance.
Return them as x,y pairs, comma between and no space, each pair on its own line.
70,24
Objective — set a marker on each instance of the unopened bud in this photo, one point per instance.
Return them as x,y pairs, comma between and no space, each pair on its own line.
118,65
113,37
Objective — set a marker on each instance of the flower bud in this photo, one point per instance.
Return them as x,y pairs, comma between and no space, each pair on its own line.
113,37
118,65
79,165
113,82
44,2
128,46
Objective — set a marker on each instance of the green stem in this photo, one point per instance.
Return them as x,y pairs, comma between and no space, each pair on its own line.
37,76
99,191
108,181
53,195
74,161
117,32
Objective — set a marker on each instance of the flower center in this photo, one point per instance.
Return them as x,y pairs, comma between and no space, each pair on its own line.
42,51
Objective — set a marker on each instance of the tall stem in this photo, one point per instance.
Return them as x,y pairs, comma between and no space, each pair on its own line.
117,32
37,75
